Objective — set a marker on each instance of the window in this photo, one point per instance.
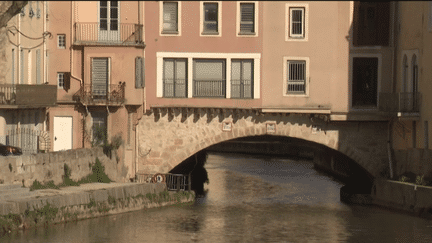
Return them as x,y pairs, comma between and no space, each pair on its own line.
61,41
209,78
210,18
99,127
208,75
405,74
414,89
296,27
175,78
170,18
297,22
296,77
100,78
60,80
13,67
371,23
129,128
242,78
365,82
21,66
247,18
108,16
38,67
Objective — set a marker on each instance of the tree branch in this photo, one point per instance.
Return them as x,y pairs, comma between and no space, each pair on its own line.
13,10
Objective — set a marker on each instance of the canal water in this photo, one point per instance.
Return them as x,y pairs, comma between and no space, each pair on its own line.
249,199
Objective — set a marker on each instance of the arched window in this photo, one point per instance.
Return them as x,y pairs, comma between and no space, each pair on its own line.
414,73
405,74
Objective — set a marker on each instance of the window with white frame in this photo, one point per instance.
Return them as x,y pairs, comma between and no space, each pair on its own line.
296,77
296,27
247,18
175,77
170,18
242,78
209,78
208,75
210,18
60,80
61,41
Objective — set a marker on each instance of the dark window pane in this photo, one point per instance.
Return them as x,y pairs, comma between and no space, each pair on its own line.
114,3
103,13
103,3
114,13
114,24
103,24
211,11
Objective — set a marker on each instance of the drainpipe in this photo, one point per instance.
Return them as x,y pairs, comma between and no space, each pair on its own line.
72,39
389,148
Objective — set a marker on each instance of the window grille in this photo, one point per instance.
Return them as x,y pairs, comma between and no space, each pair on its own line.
170,17
210,18
61,41
139,72
297,22
296,77
242,79
60,80
247,17
175,78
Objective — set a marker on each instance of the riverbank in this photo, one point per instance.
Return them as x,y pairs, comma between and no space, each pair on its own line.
21,208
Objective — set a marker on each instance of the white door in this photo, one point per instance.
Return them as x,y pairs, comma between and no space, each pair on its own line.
109,21
62,133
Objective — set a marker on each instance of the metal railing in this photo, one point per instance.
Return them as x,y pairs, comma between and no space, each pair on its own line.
209,88
400,102
174,182
99,34
178,182
113,94
34,95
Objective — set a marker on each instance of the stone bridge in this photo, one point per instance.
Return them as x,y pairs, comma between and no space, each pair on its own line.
168,136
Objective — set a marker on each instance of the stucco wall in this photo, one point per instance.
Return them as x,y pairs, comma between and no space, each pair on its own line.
50,166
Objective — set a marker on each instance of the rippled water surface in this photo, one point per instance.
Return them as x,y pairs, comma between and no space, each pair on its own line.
249,199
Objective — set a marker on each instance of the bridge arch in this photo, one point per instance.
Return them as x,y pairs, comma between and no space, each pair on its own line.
168,136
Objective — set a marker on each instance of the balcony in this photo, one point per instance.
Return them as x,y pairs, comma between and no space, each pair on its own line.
108,34
406,102
27,96
113,94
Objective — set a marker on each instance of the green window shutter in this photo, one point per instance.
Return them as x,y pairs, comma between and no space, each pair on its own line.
139,72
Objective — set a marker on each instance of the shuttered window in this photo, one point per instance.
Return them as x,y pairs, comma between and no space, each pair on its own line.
297,22
247,17
38,67
21,66
99,127
99,78
242,79
296,76
139,72
210,23
60,80
175,78
13,67
170,17
209,78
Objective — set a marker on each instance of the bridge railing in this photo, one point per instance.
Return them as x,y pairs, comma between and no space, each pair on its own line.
174,182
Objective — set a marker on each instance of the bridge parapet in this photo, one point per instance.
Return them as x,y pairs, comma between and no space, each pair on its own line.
169,135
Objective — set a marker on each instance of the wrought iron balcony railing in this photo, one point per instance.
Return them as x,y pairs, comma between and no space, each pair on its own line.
108,34
113,94
28,95
400,102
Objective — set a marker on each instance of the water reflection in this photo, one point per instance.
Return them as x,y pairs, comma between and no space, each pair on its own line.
249,199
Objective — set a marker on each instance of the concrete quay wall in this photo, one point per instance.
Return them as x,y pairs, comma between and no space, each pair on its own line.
402,196
86,201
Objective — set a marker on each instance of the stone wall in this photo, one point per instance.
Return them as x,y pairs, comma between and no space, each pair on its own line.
169,136
45,167
417,161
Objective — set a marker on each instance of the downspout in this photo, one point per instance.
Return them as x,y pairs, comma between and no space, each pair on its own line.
71,49
394,82
44,56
